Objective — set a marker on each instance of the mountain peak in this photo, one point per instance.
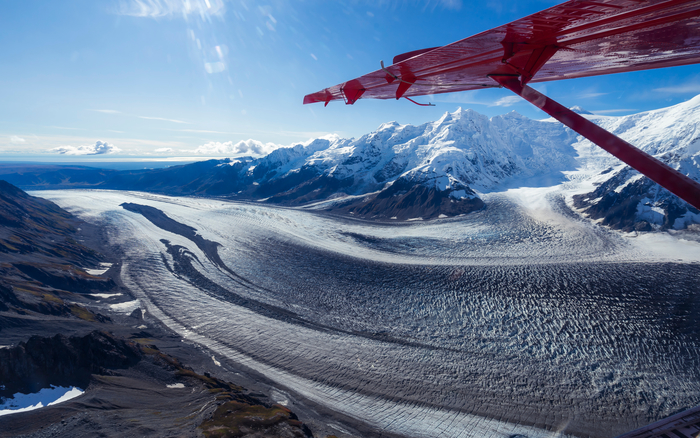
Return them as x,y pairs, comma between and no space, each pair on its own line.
388,125
578,110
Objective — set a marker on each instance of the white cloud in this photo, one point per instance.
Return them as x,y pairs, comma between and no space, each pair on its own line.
474,97
170,8
17,140
249,147
67,128
99,148
680,89
591,95
465,97
163,119
162,150
507,101
106,111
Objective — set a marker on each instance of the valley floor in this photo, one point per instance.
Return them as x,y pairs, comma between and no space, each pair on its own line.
519,319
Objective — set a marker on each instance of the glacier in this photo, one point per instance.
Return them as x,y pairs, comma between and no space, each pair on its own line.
520,319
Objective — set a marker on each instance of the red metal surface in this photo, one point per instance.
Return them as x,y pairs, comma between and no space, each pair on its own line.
674,181
411,54
577,38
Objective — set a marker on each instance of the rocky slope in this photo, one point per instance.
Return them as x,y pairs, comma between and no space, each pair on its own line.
42,262
625,199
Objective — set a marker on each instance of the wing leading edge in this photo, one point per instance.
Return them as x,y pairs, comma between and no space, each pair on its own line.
575,39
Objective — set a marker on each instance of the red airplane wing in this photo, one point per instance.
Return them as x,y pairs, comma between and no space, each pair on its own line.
575,39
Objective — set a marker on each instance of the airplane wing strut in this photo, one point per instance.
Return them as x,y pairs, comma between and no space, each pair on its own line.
667,177
577,38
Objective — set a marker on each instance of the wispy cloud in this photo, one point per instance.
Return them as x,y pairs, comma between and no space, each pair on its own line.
473,98
17,140
453,5
162,119
252,147
507,101
171,8
466,97
110,111
680,89
67,128
590,95
205,131
106,111
163,150
99,148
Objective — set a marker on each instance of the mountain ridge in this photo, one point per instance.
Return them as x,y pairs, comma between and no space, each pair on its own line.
436,169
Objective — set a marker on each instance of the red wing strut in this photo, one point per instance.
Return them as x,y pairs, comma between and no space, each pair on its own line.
575,39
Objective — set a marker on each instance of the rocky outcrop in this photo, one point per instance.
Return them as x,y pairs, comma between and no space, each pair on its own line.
629,201
403,200
62,361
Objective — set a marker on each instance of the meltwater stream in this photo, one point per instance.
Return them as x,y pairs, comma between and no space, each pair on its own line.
501,323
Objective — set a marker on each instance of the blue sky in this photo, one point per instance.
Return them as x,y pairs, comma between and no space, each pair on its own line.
153,79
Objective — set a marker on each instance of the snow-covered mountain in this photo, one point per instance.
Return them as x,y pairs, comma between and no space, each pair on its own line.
624,198
439,169
405,171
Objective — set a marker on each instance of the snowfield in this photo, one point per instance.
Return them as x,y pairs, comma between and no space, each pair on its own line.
520,319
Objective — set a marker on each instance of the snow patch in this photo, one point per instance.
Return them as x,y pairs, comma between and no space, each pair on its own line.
125,307
279,397
45,397
631,180
646,211
104,267
104,296
667,247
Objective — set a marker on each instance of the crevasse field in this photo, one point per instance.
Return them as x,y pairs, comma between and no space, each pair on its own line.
522,319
